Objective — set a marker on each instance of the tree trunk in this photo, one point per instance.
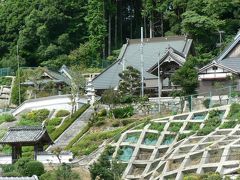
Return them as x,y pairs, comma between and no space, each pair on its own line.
145,27
109,33
115,39
162,24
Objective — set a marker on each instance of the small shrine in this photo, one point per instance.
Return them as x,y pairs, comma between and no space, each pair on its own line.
17,137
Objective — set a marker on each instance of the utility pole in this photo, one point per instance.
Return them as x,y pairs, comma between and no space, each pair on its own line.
159,93
19,79
142,83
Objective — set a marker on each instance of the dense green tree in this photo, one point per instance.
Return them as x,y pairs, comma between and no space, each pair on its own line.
130,82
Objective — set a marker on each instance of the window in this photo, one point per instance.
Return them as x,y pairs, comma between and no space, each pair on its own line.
215,68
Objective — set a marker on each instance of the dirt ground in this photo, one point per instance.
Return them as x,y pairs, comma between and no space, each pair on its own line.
83,173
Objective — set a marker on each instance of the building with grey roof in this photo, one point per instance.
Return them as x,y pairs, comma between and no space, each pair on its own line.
226,65
168,50
17,137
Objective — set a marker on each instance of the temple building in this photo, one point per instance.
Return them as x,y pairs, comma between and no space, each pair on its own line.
171,51
224,68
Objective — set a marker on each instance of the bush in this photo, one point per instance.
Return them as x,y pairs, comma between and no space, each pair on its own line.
5,81
50,129
20,165
102,113
116,124
157,126
175,127
54,121
36,115
234,112
7,118
57,132
228,124
34,168
206,103
127,121
123,112
62,113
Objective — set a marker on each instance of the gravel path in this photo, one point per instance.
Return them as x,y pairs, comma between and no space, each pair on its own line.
73,130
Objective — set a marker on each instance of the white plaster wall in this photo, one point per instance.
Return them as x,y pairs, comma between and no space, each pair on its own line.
7,159
51,158
53,102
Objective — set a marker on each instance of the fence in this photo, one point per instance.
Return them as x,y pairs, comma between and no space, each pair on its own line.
195,102
6,72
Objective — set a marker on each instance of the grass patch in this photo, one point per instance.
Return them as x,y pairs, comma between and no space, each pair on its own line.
58,131
90,142
6,118
229,124
211,123
175,127
192,126
156,126
62,113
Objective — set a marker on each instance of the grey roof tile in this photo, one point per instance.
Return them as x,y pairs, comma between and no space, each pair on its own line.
24,134
131,56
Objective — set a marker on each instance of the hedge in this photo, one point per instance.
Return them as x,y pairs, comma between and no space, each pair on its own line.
57,132
78,136
62,113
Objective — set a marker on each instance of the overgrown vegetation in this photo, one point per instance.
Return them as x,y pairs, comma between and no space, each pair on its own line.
234,112
106,169
7,118
175,127
157,126
5,81
211,123
23,167
63,172
67,122
123,112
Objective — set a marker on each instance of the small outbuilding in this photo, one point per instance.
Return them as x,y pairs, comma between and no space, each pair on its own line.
17,137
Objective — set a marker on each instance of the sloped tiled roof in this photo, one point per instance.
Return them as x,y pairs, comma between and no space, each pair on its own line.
130,54
26,134
34,177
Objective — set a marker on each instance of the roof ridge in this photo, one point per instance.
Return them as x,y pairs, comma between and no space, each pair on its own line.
18,128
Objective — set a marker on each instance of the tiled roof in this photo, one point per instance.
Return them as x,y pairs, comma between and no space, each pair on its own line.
130,54
34,177
233,63
25,134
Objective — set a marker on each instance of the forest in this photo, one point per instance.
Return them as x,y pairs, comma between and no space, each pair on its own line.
90,33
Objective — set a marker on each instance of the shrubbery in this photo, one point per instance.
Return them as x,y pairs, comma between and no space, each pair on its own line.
123,112
37,115
175,127
63,172
23,167
7,118
53,122
228,124
5,81
62,113
211,123
157,126
234,112
34,168
58,131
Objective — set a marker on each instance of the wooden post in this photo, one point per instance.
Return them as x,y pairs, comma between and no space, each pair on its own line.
37,148
16,152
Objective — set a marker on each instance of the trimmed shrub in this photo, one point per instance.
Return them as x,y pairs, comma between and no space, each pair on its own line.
20,165
62,113
123,112
58,131
54,121
7,118
34,168
37,115
206,103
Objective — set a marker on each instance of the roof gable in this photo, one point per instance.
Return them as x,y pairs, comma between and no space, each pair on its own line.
216,64
26,134
131,56
232,50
